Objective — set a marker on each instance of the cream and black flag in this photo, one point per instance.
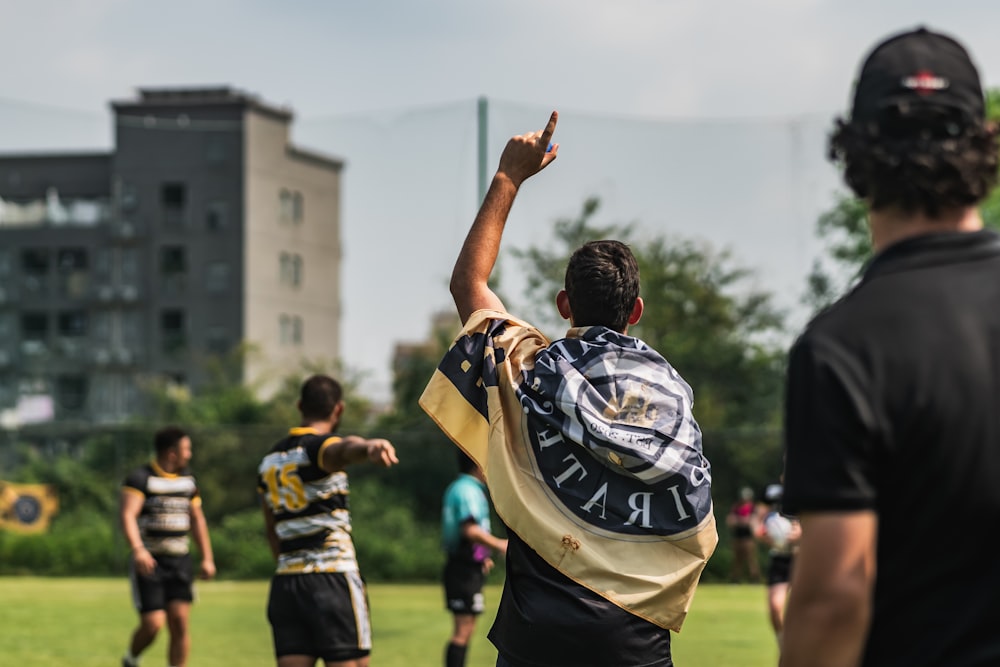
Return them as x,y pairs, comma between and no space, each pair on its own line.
591,454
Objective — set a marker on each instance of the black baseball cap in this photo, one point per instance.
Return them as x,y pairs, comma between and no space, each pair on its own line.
915,69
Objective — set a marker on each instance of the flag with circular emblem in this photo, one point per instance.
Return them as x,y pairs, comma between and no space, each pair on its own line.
591,453
27,508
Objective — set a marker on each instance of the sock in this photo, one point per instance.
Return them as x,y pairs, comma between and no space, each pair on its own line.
455,656
131,659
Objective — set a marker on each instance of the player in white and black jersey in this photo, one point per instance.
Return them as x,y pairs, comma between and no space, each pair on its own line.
317,606
780,533
160,508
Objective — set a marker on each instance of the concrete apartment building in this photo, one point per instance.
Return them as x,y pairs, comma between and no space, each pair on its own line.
204,228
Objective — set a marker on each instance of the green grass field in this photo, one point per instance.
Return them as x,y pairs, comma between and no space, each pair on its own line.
86,623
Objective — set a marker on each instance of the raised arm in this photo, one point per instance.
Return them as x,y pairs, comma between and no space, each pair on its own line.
524,156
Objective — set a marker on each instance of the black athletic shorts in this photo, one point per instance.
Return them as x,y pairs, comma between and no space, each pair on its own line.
323,614
171,580
463,587
779,569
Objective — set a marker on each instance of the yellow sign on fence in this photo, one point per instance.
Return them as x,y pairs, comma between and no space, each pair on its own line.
27,508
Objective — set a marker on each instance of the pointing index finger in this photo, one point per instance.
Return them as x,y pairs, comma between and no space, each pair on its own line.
550,128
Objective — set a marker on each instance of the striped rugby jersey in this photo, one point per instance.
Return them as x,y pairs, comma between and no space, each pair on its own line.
310,505
165,518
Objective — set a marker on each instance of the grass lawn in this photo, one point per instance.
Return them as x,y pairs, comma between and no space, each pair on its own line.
86,623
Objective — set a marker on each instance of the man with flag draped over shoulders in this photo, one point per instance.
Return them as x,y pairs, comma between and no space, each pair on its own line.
591,452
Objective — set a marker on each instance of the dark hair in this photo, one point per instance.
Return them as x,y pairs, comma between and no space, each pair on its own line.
319,396
602,283
166,438
923,160
465,462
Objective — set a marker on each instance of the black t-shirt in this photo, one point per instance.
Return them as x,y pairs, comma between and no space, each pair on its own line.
893,405
546,619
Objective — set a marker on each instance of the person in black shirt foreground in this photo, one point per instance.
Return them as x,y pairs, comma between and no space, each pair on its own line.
892,424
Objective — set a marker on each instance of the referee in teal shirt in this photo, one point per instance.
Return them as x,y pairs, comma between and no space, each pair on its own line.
468,542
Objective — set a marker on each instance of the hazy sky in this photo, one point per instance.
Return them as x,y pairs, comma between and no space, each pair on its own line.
695,117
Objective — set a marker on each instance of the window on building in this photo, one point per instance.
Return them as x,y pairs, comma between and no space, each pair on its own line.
298,207
35,261
286,206
290,329
4,262
216,216
70,260
173,269
217,277
72,323
129,197
71,265
217,341
101,326
130,266
6,327
290,269
35,326
173,197
173,330
132,330
71,391
173,260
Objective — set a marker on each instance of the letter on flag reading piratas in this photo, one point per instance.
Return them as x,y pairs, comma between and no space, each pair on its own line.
27,508
591,453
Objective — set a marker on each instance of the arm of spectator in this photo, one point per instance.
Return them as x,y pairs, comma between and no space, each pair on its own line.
829,606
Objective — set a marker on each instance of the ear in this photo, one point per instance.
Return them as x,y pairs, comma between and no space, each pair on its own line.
636,314
338,410
562,303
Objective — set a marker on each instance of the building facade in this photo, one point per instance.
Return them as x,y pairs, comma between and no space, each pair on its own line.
203,229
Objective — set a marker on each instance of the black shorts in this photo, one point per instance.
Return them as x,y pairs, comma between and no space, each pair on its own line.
742,533
323,614
779,569
463,587
171,580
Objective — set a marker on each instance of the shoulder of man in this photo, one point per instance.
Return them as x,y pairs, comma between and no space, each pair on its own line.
138,478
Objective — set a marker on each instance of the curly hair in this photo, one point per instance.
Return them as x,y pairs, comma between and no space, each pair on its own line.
920,159
602,283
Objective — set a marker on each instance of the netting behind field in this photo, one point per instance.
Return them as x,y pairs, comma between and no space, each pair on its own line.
410,191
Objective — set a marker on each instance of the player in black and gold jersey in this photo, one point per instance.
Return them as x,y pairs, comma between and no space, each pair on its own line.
317,607
160,507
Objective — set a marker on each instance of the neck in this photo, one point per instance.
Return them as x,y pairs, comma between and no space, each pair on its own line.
322,425
891,225
167,465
